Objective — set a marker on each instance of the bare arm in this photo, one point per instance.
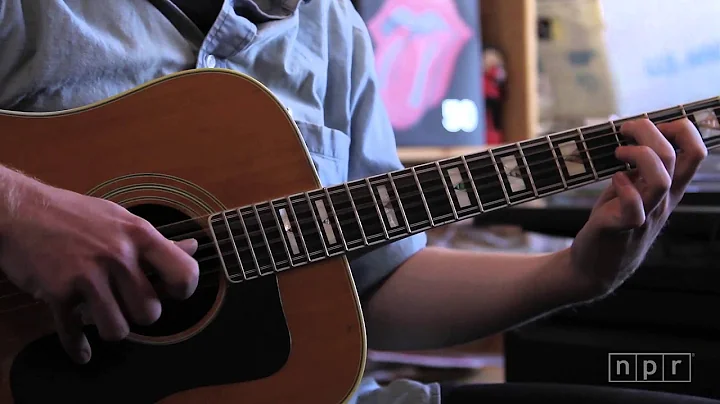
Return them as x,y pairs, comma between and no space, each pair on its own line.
11,183
64,248
442,297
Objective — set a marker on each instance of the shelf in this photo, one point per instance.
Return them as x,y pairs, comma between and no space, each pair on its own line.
511,26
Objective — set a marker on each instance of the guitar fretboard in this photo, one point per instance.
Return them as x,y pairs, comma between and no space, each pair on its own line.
284,233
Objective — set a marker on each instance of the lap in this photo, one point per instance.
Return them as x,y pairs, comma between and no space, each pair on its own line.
542,393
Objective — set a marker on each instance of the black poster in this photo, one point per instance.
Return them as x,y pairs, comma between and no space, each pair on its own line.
428,61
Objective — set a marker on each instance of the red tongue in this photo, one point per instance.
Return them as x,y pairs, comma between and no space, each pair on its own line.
417,45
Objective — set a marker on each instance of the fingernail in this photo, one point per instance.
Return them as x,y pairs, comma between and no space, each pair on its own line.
84,356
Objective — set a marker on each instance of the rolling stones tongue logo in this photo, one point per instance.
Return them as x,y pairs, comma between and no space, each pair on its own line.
417,44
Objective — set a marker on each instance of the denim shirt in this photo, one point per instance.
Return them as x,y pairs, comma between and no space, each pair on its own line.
315,55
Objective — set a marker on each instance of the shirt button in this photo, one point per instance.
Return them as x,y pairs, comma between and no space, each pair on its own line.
210,61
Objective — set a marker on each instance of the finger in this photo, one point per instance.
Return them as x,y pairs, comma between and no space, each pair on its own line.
647,134
69,328
631,213
606,195
692,151
649,166
190,245
105,310
177,269
137,295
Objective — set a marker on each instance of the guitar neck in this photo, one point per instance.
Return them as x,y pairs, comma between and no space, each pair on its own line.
363,214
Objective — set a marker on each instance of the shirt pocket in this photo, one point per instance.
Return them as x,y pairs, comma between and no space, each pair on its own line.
329,150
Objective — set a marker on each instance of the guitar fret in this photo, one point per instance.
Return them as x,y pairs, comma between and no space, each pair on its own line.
255,244
389,215
488,181
377,207
587,152
666,115
471,180
413,208
601,141
527,168
263,233
274,241
544,168
357,214
307,223
332,235
464,202
279,226
346,217
335,218
321,235
422,196
500,176
557,161
293,231
447,191
399,202
433,191
240,238
368,211
684,113
616,132
226,247
515,174
574,164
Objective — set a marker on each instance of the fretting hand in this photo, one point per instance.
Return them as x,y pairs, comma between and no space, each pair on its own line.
631,212
72,251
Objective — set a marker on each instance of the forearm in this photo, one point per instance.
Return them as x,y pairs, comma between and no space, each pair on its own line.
7,195
13,186
442,297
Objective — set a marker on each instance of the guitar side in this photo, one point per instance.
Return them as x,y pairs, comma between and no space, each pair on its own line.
175,144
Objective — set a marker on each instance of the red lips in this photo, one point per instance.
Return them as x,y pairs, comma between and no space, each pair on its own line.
417,45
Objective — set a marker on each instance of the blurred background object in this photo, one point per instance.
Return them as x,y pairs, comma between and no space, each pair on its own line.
536,67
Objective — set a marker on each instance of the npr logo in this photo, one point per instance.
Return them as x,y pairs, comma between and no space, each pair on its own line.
650,367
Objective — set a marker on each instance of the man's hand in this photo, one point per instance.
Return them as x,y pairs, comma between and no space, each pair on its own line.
630,213
73,251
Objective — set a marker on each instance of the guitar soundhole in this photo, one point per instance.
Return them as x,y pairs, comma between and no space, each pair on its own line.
179,316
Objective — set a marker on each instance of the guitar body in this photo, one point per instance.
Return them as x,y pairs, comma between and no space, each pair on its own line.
185,146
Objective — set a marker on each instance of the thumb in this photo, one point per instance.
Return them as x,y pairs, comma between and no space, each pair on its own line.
627,212
189,245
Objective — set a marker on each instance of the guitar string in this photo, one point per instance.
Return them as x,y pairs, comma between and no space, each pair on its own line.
479,188
709,145
371,204
234,263
201,283
562,137
712,145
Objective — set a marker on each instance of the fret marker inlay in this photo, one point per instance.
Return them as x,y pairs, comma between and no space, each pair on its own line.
512,170
387,206
571,157
288,230
707,122
325,220
461,191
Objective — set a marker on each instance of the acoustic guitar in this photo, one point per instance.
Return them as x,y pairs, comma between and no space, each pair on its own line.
212,154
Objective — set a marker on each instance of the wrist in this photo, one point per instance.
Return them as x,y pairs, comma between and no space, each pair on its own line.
14,188
576,287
